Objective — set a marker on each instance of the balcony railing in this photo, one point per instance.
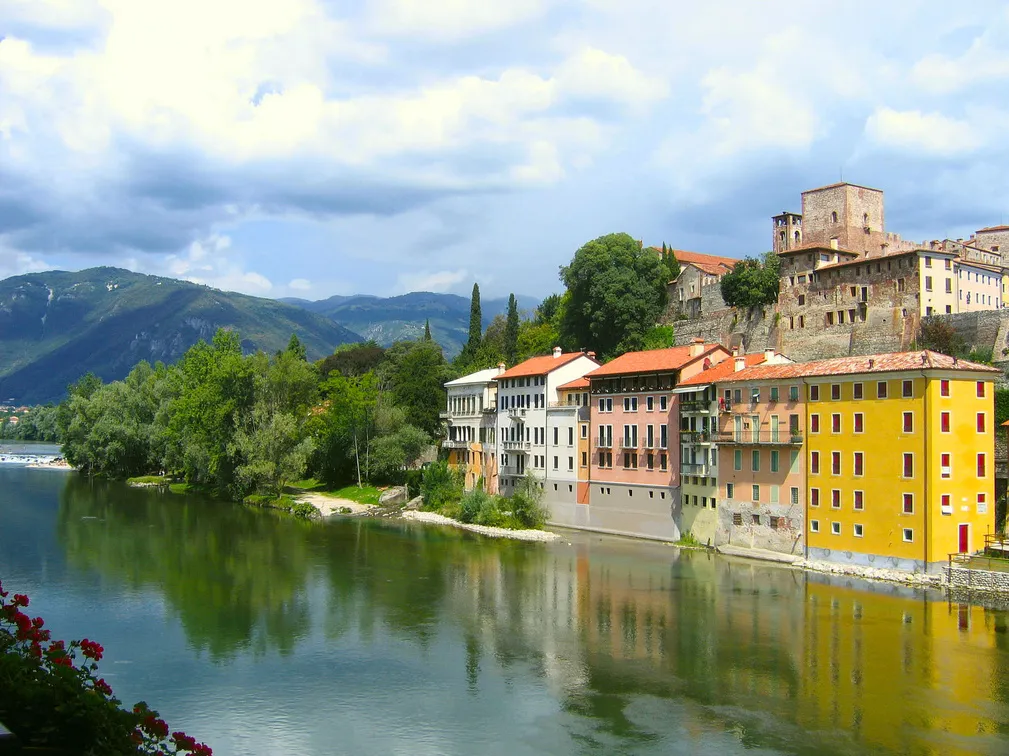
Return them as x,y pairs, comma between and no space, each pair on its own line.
697,437
628,443
516,412
761,438
603,444
516,445
695,405
696,469
449,443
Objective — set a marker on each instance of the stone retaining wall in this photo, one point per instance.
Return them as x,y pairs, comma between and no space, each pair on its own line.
979,580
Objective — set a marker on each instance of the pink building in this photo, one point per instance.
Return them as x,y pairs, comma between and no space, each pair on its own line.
634,437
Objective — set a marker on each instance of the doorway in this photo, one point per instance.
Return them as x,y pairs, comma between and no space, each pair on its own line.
964,539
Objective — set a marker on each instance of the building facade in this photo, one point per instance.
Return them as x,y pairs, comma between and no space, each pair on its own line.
697,289
471,427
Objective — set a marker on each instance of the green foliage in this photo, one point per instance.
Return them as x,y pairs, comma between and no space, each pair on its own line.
472,346
441,486
40,424
752,282
688,539
548,310
148,480
304,510
984,355
659,337
527,503
427,329
415,373
616,292
1001,406
353,359
295,348
535,339
511,332
669,260
939,335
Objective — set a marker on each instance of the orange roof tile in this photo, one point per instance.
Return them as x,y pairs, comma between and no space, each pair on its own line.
721,370
672,358
577,383
995,228
540,365
881,363
815,246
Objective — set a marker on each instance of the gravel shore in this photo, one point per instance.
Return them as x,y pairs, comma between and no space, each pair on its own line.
331,505
872,573
518,535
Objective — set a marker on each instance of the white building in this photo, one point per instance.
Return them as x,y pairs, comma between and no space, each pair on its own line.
471,419
537,433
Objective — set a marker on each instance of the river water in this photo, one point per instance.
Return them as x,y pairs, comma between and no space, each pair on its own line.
261,634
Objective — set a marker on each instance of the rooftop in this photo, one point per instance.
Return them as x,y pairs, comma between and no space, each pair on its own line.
817,248
576,384
540,365
891,362
652,360
723,369
993,228
842,183
480,376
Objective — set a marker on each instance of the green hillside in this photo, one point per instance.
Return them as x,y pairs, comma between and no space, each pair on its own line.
396,318
56,325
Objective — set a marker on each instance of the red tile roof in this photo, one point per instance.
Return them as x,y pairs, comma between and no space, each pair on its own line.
540,365
881,363
672,358
995,228
721,370
711,264
577,383
817,246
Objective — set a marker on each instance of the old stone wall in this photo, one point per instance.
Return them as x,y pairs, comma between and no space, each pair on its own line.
749,524
979,580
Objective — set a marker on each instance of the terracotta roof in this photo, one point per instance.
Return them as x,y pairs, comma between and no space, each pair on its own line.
724,368
881,363
994,228
577,383
696,258
873,258
672,358
842,183
817,246
712,269
540,365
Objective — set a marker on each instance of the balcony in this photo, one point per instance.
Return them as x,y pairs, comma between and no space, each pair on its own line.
761,438
456,444
516,445
628,443
563,407
696,405
517,411
697,469
697,437
601,444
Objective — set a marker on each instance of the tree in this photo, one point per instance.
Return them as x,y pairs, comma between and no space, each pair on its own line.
548,309
415,372
295,347
670,261
427,329
616,292
475,325
752,282
344,430
511,334
659,337
939,335
535,339
353,359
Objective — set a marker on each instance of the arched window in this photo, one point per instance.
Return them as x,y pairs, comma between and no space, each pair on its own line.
796,237
833,217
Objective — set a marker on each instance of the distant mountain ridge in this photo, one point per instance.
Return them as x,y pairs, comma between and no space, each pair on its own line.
389,319
57,325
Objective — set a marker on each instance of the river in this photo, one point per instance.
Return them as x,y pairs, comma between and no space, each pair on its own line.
262,634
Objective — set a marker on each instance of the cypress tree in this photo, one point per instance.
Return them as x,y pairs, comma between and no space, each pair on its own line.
475,323
427,329
511,334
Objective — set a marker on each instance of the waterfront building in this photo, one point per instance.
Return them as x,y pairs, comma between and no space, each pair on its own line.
536,432
634,464
761,482
570,414
899,451
700,408
471,421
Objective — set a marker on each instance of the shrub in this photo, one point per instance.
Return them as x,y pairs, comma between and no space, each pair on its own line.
47,700
413,480
441,486
527,503
304,510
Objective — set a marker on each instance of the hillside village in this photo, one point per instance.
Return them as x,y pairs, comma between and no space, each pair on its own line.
796,442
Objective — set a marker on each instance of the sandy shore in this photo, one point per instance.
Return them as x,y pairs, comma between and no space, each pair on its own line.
54,464
331,505
518,535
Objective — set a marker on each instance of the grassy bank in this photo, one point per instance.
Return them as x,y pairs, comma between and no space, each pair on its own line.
362,495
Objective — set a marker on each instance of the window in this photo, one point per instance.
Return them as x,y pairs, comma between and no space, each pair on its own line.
908,465
650,461
814,423
737,519
793,393
907,389
859,456
908,535
814,393
585,459
650,404
571,463
556,432
981,465
943,422
755,460
858,530
928,261
859,501
774,393
774,521
555,463
737,459
756,492
835,463
814,497
663,436
980,389
585,430
795,495
835,423
881,390
980,422
755,519
908,504
835,391
754,395
814,526
835,528
835,498
945,504
982,504
814,462
663,462
663,403
928,283
856,391
859,422
944,465
908,422
571,436
774,460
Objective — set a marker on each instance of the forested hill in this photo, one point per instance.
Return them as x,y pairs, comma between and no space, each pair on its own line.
390,319
56,326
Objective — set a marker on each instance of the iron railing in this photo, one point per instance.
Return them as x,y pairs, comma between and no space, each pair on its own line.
762,438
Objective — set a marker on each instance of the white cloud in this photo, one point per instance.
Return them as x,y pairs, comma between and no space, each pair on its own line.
438,282
592,72
300,284
15,263
916,132
210,261
451,19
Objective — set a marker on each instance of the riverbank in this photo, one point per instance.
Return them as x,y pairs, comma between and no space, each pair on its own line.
518,535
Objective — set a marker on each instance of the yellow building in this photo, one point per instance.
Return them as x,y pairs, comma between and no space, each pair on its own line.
470,417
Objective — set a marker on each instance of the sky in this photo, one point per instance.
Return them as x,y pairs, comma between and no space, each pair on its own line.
317,147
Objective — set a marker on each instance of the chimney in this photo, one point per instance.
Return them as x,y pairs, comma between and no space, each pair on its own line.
768,355
696,346
591,355
500,368
557,352
740,363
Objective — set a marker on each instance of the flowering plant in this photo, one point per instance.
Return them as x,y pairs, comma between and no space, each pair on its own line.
47,699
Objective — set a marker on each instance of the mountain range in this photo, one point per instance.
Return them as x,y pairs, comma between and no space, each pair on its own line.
389,319
57,325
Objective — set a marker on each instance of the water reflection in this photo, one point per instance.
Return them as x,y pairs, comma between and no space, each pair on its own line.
638,647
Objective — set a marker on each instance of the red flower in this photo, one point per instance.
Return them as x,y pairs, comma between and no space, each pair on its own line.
20,599
103,687
92,650
184,741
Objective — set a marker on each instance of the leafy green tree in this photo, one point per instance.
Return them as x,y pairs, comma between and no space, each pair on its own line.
353,359
535,339
659,337
939,335
548,310
670,261
511,333
415,373
343,432
295,347
752,282
616,292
